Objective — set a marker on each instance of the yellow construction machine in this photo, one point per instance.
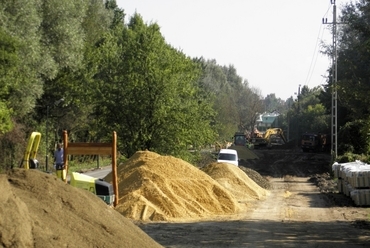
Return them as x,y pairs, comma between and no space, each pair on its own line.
29,159
271,137
274,137
97,186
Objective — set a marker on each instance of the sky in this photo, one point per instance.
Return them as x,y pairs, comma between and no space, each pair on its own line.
274,45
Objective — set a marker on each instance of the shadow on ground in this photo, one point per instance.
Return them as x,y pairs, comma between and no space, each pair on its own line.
248,234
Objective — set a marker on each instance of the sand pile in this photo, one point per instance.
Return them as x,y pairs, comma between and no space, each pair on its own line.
165,188
236,181
244,153
38,210
257,178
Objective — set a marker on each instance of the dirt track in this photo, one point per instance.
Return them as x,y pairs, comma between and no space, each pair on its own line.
296,213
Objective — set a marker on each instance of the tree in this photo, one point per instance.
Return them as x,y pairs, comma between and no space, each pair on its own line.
8,71
255,107
274,104
354,59
214,82
21,21
148,92
353,83
74,80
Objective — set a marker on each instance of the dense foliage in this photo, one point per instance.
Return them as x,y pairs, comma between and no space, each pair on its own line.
76,65
353,85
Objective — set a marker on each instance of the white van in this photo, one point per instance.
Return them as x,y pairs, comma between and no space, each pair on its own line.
228,156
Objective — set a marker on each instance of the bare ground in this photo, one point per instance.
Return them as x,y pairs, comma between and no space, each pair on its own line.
303,209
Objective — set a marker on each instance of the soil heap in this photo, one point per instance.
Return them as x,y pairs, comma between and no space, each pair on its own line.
164,188
236,181
244,153
257,178
38,210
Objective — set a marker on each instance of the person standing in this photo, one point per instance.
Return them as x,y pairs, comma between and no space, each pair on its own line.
59,162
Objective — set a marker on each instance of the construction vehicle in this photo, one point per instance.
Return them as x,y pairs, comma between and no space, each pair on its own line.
240,139
257,139
29,159
99,187
274,137
102,189
316,142
241,145
271,137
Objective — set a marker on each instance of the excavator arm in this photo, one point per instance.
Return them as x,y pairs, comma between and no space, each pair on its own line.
274,132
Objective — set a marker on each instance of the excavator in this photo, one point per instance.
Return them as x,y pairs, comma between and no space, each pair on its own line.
272,137
29,159
257,139
102,189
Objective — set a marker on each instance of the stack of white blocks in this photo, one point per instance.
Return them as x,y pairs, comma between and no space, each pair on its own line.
354,181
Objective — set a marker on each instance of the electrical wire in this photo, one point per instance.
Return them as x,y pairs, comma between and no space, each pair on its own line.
315,53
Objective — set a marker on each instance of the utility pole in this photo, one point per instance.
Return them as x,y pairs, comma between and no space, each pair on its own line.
334,97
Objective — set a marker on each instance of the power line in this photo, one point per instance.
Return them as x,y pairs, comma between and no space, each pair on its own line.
315,53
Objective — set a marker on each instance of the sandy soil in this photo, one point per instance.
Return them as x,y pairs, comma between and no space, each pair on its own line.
302,209
39,210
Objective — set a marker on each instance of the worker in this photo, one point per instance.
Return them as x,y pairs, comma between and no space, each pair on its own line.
59,162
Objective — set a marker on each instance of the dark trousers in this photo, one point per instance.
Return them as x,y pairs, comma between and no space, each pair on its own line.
59,166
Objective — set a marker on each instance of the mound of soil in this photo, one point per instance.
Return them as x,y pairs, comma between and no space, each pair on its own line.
244,153
236,181
164,188
38,210
296,212
256,177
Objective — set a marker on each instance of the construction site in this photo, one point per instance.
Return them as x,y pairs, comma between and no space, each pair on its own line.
280,197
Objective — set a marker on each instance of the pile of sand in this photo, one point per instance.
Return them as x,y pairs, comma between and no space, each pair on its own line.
257,178
236,181
38,210
244,153
165,188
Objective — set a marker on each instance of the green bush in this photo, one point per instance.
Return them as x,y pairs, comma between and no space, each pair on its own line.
351,157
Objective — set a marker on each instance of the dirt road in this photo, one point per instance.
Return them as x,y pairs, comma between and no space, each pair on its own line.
297,213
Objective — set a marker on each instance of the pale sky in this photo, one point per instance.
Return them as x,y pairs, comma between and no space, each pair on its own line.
274,45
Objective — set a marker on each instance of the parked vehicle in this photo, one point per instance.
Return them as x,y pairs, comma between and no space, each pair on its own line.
240,139
316,142
228,156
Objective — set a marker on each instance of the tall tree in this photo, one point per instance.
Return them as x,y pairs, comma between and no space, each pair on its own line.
148,92
74,80
8,71
353,63
21,21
